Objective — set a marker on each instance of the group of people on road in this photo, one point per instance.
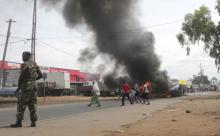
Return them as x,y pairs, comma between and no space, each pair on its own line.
27,89
137,93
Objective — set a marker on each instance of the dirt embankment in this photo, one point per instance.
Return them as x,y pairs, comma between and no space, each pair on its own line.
192,117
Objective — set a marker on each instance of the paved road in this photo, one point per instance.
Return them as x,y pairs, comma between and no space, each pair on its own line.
7,115
69,116
79,120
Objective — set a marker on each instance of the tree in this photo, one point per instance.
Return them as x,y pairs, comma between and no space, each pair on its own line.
199,27
200,78
214,80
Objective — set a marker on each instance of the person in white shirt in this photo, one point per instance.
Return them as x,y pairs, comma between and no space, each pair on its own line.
95,95
137,93
145,95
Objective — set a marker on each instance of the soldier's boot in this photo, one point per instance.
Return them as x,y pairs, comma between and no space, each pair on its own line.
17,124
33,124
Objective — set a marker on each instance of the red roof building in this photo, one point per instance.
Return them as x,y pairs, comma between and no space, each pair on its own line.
75,75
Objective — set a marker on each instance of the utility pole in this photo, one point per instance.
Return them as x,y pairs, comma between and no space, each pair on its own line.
33,37
4,54
201,77
201,70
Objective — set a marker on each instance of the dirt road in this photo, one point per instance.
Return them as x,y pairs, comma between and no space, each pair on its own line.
197,115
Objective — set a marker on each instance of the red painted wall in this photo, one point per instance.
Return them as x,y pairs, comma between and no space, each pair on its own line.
75,75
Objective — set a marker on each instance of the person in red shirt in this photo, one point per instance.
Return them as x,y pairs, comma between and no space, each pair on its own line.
126,90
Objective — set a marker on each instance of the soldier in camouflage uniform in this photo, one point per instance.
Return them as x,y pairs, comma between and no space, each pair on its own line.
27,89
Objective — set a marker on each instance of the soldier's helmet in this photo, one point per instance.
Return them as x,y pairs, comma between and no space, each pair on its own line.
26,55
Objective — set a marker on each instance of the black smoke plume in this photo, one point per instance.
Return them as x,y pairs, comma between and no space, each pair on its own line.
118,35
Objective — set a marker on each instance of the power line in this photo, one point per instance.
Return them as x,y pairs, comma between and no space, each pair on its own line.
153,26
61,51
57,49
14,42
16,37
142,28
52,38
121,31
113,32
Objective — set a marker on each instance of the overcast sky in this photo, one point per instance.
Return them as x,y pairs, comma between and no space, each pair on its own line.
59,46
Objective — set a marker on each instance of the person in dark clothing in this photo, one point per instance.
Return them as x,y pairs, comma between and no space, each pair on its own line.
126,90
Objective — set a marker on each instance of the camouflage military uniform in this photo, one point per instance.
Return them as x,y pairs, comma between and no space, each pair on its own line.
30,72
